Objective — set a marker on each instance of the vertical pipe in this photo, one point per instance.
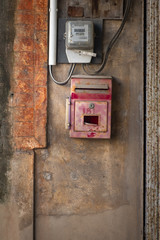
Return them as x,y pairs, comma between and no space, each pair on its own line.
52,32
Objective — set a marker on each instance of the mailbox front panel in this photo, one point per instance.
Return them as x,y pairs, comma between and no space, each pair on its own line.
90,116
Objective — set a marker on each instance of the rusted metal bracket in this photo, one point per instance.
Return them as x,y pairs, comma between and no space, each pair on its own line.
110,9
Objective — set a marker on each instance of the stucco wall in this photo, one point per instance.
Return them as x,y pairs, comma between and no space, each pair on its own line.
22,101
93,189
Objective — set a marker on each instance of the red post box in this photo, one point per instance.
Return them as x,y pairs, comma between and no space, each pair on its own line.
90,107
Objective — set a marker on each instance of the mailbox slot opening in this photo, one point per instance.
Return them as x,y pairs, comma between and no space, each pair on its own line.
91,120
99,88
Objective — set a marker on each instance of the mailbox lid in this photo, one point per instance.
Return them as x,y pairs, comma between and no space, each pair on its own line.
91,116
85,87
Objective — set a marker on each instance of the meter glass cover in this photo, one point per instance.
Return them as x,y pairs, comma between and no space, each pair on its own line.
79,35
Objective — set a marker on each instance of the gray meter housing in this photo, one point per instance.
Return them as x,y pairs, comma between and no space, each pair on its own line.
79,35
79,41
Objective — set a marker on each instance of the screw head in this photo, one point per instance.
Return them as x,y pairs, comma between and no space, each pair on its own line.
91,105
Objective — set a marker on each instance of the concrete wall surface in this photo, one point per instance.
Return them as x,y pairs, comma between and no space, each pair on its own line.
93,189
16,166
73,189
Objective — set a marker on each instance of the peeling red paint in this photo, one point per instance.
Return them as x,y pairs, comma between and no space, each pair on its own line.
30,48
91,135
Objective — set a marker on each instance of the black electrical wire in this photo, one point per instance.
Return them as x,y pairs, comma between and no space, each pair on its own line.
86,69
71,70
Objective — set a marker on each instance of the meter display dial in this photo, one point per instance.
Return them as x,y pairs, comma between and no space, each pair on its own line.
79,35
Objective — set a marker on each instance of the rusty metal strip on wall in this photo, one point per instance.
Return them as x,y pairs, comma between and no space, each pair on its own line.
153,121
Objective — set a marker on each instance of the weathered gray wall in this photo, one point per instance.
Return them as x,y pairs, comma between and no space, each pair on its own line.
6,61
152,180
84,189
16,167
93,189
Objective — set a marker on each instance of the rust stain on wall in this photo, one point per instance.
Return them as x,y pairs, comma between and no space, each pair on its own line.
75,11
95,8
30,59
107,9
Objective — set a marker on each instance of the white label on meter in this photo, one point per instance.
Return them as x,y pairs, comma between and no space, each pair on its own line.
80,33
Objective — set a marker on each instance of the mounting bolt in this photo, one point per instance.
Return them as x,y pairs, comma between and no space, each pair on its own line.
91,105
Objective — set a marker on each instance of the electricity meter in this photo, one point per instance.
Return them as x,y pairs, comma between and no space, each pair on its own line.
79,41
